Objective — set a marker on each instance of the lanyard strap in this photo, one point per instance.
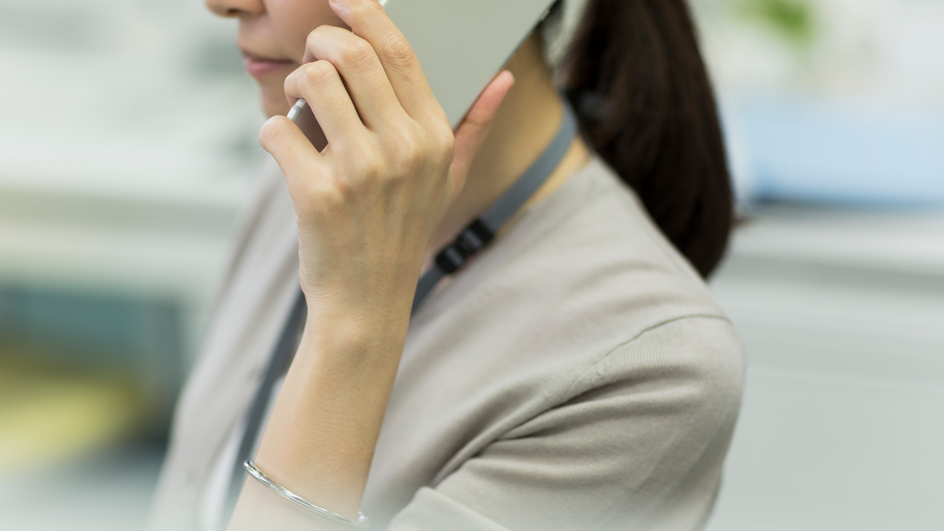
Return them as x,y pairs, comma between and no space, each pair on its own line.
481,231
473,239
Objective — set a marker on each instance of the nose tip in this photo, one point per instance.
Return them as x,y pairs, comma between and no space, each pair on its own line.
236,8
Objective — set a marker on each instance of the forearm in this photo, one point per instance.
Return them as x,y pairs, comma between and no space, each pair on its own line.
321,435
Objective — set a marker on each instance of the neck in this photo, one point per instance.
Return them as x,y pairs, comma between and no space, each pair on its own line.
526,123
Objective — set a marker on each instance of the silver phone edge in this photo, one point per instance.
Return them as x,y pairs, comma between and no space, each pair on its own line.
296,111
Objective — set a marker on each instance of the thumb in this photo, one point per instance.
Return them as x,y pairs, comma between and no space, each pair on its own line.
471,133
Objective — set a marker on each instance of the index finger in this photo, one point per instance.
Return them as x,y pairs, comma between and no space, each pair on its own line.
369,21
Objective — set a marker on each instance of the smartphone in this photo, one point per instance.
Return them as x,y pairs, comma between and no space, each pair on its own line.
460,44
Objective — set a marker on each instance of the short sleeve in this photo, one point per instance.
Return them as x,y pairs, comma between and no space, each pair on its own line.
637,443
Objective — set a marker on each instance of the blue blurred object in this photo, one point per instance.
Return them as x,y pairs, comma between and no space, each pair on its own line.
139,339
808,151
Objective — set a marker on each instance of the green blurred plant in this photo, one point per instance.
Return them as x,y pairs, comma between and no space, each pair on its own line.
792,19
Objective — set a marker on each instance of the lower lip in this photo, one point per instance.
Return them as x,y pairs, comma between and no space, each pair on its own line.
258,68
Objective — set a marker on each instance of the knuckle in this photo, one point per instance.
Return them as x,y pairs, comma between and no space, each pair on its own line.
318,73
411,149
366,9
401,140
398,52
328,199
320,201
345,192
410,155
370,166
442,143
313,37
362,170
446,141
356,52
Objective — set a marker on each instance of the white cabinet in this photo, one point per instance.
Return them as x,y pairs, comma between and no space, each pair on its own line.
842,423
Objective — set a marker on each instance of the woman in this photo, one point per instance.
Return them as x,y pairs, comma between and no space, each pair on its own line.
574,375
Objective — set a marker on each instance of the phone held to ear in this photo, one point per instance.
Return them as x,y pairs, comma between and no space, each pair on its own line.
460,44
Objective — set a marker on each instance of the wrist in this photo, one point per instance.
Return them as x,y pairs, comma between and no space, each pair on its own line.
378,290
354,332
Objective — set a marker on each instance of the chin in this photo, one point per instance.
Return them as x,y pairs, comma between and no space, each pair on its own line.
274,102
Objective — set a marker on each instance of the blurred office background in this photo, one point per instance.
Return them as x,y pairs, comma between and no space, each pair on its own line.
127,143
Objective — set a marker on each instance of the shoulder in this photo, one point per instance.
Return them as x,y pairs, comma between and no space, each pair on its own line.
688,372
637,438
584,292
587,259
680,380
654,328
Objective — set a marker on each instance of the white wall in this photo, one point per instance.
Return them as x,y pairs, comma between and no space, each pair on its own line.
127,137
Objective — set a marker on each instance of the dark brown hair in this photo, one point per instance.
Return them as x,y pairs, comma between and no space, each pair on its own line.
636,77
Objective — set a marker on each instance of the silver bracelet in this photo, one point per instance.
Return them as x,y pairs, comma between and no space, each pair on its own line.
362,521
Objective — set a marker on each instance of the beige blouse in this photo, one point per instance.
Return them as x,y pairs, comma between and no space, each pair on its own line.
576,376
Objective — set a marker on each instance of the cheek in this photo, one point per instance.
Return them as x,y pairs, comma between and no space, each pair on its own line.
293,20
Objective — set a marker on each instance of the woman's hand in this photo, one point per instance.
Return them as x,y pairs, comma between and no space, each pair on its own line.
369,202
366,207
